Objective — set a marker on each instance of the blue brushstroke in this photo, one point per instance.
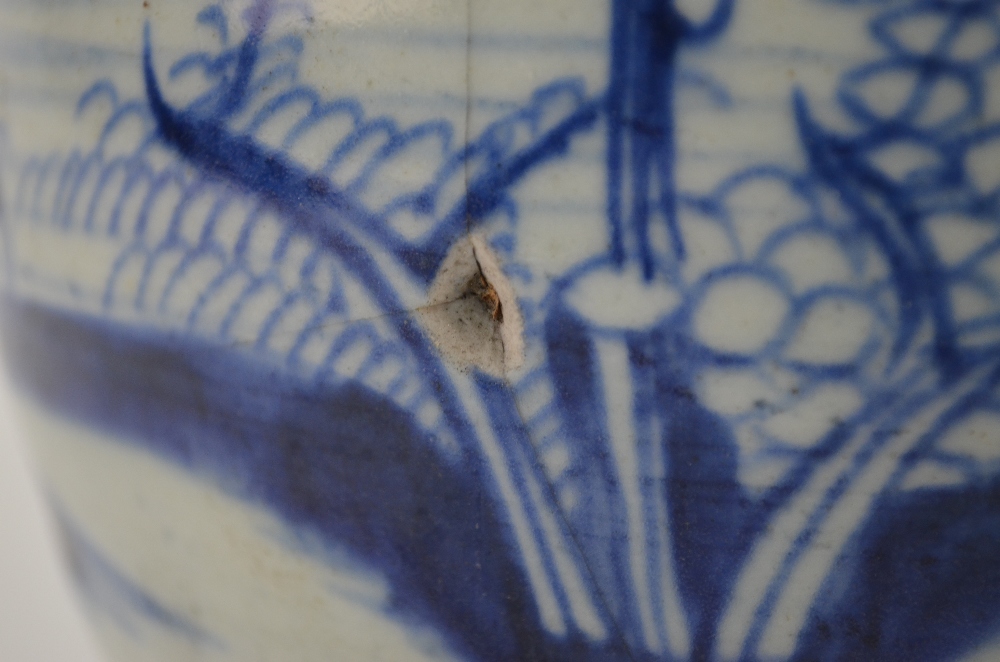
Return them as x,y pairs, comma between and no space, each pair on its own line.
106,588
316,451
919,583
337,460
893,211
645,38
206,142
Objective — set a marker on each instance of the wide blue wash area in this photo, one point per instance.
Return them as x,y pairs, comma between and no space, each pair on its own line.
577,330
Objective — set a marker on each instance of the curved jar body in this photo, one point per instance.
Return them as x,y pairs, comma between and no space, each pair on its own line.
464,330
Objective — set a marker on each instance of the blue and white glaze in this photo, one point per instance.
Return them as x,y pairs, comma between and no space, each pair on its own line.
757,417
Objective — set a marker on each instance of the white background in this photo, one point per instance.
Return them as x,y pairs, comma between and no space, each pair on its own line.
40,617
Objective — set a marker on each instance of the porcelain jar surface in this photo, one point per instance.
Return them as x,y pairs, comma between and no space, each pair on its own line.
530,330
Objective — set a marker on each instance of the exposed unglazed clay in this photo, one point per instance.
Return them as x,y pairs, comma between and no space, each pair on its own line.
471,313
